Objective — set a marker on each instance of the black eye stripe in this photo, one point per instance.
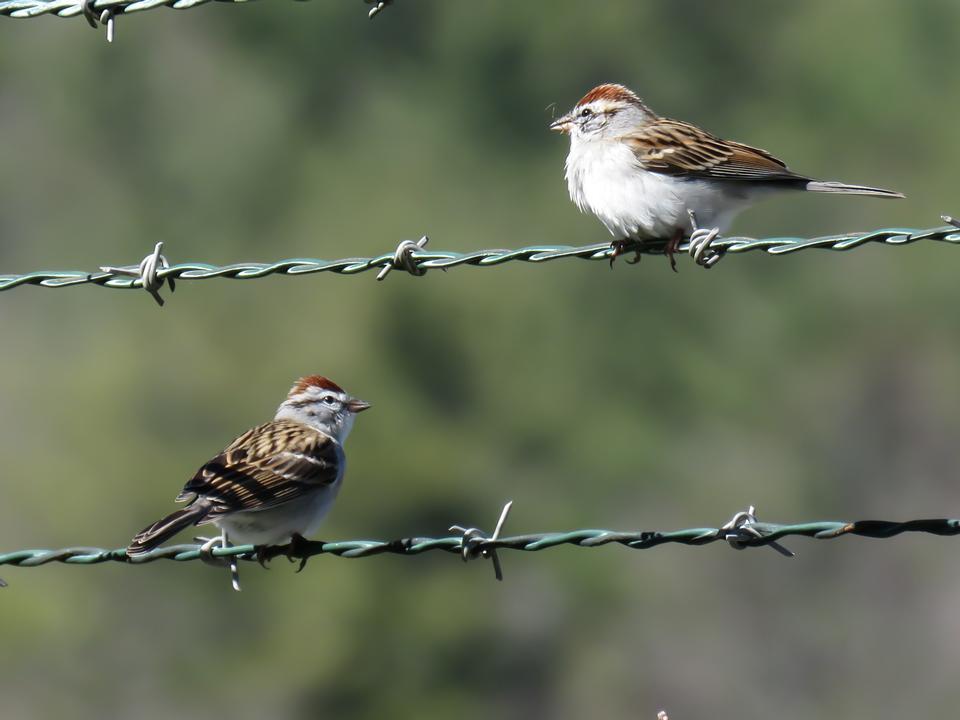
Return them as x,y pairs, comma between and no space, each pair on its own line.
607,112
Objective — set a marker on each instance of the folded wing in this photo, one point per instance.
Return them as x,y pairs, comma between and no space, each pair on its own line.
266,466
673,147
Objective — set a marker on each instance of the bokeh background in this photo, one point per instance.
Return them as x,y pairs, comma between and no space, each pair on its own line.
815,386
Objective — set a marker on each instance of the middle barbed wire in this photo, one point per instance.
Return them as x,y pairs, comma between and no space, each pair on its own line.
424,259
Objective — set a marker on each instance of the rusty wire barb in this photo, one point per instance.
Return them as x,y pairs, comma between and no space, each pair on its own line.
414,259
744,530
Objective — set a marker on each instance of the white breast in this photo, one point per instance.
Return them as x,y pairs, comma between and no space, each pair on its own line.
604,178
275,526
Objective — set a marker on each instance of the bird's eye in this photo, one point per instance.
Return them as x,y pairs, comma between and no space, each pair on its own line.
586,112
329,399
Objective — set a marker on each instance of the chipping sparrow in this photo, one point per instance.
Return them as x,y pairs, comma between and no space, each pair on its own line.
646,177
276,482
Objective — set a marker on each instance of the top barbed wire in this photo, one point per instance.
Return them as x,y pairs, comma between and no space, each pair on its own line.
154,270
106,12
72,8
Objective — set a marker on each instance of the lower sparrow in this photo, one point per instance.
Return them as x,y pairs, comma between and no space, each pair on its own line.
647,177
276,482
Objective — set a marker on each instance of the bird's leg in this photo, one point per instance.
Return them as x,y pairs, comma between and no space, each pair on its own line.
619,247
263,556
297,550
672,244
700,241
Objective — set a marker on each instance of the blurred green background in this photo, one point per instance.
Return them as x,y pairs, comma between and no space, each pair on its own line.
819,386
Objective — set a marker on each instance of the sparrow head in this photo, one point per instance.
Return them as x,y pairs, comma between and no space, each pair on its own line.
608,111
322,404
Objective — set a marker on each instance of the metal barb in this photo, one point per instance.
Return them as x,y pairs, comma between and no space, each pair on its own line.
475,544
146,273
107,17
739,530
403,258
378,7
207,556
701,240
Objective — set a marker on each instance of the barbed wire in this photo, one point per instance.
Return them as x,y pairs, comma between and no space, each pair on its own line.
415,259
742,531
72,8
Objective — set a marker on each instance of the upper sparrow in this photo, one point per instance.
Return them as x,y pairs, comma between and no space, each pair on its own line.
645,176
276,482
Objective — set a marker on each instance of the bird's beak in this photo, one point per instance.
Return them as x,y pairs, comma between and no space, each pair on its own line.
561,125
356,405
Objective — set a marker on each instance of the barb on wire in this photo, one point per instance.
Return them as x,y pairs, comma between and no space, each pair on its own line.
419,260
742,527
378,7
475,544
107,16
146,273
207,557
72,8
742,532
403,258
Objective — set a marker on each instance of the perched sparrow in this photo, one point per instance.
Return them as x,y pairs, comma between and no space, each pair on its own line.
276,482
648,177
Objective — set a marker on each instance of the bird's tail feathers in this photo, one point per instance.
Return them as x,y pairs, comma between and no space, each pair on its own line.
162,530
836,187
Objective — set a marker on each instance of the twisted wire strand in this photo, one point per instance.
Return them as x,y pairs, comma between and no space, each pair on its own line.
753,534
72,8
422,259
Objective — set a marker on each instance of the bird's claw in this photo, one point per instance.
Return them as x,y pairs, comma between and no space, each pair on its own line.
263,556
619,247
297,550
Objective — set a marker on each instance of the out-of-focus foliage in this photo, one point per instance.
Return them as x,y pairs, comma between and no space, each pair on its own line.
817,386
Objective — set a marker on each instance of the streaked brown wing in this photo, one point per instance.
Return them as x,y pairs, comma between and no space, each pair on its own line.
268,465
673,147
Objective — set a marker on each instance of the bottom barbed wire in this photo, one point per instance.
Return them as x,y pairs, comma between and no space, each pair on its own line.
751,534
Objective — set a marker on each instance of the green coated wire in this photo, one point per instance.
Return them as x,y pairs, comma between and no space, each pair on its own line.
742,531
72,8
743,535
416,260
